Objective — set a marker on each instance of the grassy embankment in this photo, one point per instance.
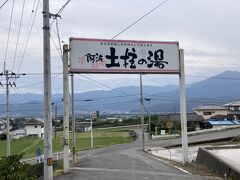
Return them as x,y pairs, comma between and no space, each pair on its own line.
102,138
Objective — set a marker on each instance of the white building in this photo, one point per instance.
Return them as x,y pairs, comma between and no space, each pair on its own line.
34,127
208,111
17,133
3,126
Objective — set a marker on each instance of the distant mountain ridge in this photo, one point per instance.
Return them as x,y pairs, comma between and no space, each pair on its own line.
218,89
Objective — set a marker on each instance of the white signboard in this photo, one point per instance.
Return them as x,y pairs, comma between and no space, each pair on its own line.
123,56
94,115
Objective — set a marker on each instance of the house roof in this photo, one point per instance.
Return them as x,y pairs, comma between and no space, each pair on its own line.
233,103
33,121
209,107
221,122
218,116
236,122
190,117
3,121
82,125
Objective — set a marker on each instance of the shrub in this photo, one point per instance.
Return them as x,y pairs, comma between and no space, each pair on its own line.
3,136
11,169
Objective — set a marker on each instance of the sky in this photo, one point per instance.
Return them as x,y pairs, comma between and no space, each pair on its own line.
207,30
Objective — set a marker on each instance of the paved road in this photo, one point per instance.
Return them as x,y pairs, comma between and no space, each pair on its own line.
127,162
197,138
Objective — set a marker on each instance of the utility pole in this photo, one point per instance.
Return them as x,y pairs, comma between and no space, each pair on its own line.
183,107
149,115
55,119
142,113
48,160
8,76
73,122
66,110
91,119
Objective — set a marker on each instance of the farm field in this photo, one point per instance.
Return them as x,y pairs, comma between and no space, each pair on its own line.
101,138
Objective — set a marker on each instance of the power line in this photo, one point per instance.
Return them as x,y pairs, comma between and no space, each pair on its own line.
63,7
55,45
19,29
28,37
60,11
140,19
107,97
119,92
106,104
9,31
59,40
37,83
3,4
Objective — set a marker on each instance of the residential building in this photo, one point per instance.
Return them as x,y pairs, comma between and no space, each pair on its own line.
3,126
208,111
193,119
34,127
233,109
17,133
83,127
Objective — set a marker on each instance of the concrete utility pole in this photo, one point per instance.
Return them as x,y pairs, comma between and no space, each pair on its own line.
91,118
149,115
66,110
73,122
48,161
142,113
8,76
55,132
183,108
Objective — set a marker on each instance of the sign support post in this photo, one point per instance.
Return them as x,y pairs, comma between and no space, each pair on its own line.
136,57
73,122
183,108
142,113
66,111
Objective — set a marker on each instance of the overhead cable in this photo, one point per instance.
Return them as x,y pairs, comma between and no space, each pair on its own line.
9,31
3,4
135,22
25,48
19,29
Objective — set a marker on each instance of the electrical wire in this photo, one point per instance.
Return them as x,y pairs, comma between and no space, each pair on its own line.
107,97
9,32
55,45
19,29
3,4
28,37
102,84
60,11
37,83
59,39
135,22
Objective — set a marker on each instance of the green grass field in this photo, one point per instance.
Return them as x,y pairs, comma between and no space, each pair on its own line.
102,138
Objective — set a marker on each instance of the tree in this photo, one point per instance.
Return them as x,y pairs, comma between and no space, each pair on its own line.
11,169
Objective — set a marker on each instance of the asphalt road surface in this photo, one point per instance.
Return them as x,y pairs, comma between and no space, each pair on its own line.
128,162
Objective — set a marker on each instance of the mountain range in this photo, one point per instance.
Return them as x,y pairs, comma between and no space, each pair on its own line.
219,89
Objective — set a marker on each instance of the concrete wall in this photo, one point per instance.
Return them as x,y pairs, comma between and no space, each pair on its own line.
217,165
